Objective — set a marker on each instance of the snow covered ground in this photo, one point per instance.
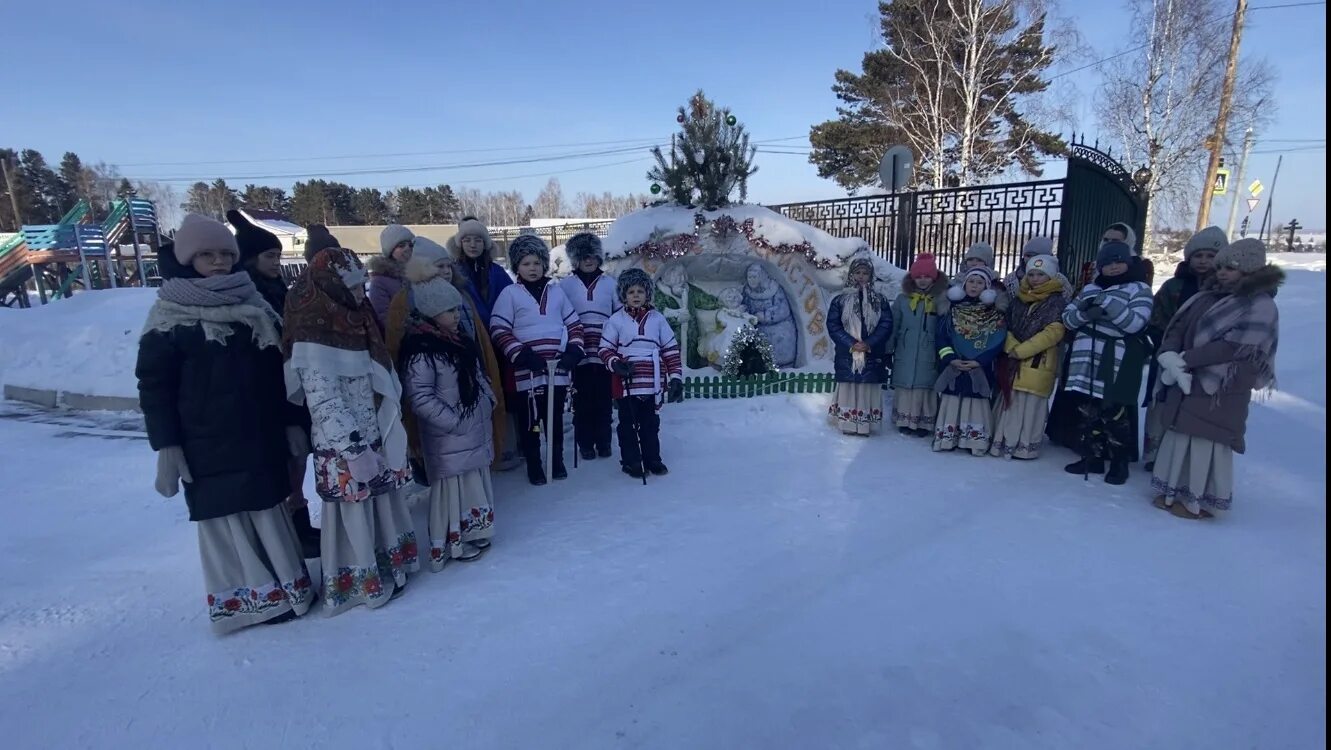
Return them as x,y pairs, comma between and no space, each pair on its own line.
782,587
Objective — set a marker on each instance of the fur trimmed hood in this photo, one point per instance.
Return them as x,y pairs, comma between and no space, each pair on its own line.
1265,280
382,266
938,290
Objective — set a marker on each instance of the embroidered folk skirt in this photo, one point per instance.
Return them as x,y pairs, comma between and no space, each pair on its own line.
857,408
914,408
252,568
1194,471
461,511
368,548
963,423
1019,426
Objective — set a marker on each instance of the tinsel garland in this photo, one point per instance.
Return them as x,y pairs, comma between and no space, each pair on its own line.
679,245
748,338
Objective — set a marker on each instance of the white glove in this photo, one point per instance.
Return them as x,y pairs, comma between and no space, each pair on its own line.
171,470
365,466
1174,371
298,442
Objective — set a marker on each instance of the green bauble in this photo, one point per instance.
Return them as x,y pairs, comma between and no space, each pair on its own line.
731,120
656,189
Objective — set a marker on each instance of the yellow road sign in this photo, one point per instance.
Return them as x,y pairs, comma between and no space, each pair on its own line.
1221,185
1256,188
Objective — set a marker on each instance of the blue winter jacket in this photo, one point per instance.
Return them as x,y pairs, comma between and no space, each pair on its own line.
875,364
497,278
953,346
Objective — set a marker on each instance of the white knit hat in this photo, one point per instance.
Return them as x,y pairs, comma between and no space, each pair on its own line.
430,250
1210,238
981,250
392,236
1046,264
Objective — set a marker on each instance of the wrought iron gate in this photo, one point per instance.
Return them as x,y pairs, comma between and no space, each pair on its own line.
1074,210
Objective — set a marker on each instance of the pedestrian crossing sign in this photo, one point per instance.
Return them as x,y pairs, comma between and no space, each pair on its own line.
1221,185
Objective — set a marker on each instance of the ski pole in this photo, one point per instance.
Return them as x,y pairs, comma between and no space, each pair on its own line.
573,416
549,420
1088,435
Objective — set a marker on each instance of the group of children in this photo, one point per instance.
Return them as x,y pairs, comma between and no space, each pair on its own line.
975,360
411,369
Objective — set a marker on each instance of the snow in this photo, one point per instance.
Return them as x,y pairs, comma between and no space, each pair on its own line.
784,586
658,221
85,344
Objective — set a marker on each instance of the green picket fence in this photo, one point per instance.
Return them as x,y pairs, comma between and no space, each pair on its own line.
748,386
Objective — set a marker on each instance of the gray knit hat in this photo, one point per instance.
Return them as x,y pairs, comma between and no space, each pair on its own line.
583,245
1046,264
430,250
1247,255
528,244
198,232
430,293
634,277
1037,246
392,236
982,250
1210,238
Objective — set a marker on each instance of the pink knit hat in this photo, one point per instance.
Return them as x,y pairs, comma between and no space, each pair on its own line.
924,265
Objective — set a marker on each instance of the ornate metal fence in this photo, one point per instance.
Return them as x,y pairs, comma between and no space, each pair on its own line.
1096,192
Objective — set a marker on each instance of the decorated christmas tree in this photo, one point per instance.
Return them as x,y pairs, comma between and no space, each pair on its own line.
709,159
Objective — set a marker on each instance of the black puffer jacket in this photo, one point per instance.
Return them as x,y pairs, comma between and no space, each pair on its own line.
225,405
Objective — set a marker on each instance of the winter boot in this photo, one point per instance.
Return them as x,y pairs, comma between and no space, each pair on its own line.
1118,473
632,470
923,432
398,590
588,453
284,617
1086,466
603,450
657,468
535,472
559,471
306,533
908,432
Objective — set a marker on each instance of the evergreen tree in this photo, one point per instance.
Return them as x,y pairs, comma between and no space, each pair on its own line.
41,187
125,190
709,159
368,207
308,204
265,198
960,83
74,183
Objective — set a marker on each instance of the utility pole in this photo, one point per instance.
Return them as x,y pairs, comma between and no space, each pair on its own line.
1293,227
1270,201
7,167
1238,183
1217,139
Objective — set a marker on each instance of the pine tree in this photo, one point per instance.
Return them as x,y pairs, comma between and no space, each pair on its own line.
709,159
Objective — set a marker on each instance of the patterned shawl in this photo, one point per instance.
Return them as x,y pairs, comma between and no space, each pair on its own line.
1042,305
1250,321
214,304
321,309
861,309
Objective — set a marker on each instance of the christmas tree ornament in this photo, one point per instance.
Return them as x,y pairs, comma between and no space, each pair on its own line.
731,120
656,189
679,118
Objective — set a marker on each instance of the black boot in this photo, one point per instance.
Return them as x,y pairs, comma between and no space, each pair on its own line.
308,536
588,453
559,471
657,468
535,471
603,450
1086,466
633,470
1118,473
908,432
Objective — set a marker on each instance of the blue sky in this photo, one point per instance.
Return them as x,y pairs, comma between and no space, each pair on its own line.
146,84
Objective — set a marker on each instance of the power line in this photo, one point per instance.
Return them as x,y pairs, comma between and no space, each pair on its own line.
464,183
1140,47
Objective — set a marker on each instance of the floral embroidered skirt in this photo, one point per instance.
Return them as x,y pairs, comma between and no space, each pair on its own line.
461,511
252,568
1019,426
963,423
914,408
857,408
368,548
1194,471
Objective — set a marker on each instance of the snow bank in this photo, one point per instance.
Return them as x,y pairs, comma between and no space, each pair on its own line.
661,221
85,345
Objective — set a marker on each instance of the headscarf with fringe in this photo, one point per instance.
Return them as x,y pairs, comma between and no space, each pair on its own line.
1248,319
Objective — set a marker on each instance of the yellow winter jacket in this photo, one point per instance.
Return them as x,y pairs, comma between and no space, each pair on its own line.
1039,360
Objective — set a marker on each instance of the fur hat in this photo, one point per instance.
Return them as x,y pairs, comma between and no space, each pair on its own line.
1210,238
982,250
430,293
988,296
198,232
317,237
584,245
528,244
634,277
1111,253
924,265
1247,255
1037,246
250,238
430,250
1046,264
1129,235
392,236
470,226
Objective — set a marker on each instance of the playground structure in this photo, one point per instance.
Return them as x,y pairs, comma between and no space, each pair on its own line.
80,252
